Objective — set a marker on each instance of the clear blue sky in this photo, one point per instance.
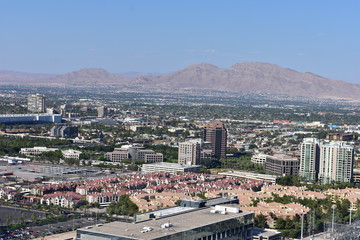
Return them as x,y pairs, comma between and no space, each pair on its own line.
319,36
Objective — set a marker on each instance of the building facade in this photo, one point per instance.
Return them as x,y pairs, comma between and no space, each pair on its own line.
117,155
336,162
36,150
225,222
154,158
71,154
309,159
36,103
282,165
168,167
216,133
102,111
64,131
189,153
259,158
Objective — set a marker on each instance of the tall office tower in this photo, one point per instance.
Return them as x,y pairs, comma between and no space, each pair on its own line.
36,103
309,159
102,111
336,162
189,152
215,133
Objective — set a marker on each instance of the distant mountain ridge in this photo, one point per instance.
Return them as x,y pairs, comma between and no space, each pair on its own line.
252,77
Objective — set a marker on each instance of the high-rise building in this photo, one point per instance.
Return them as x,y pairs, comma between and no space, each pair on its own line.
102,111
309,159
216,133
336,162
36,103
189,152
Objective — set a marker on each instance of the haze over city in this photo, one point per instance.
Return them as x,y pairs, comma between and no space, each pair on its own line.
179,120
164,36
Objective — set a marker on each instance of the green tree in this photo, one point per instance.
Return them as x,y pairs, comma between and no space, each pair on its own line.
122,207
260,221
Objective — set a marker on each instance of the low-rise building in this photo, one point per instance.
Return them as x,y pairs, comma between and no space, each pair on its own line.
282,164
36,150
177,223
259,158
117,155
64,131
168,167
71,154
266,234
153,158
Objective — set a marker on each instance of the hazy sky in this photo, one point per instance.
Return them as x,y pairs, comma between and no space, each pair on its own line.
319,36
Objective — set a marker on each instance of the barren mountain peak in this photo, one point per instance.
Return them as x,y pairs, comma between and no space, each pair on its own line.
244,77
203,65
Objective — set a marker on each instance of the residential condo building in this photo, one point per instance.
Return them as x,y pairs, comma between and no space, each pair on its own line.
336,162
309,159
36,103
189,152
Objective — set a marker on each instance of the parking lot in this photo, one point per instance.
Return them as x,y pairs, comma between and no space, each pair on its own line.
67,226
12,215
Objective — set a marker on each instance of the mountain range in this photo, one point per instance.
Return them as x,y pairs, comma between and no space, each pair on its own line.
253,77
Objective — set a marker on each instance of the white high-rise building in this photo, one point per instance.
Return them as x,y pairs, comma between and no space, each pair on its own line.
336,162
309,159
36,103
189,152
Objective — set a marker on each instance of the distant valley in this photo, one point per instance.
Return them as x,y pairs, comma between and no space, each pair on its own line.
248,77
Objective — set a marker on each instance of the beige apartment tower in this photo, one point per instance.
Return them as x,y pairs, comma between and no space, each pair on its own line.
36,103
189,153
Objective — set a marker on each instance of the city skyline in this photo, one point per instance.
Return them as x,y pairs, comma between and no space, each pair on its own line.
161,37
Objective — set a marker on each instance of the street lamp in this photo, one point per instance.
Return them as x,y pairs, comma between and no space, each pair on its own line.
302,224
332,221
350,215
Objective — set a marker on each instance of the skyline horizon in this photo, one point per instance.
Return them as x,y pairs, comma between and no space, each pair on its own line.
161,37
129,73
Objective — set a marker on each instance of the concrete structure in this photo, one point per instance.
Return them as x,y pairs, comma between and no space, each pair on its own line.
189,152
249,175
259,158
64,131
36,150
266,234
356,175
71,154
154,158
340,136
216,133
336,162
140,153
102,111
117,155
30,118
168,167
221,222
36,103
134,152
13,160
309,159
282,165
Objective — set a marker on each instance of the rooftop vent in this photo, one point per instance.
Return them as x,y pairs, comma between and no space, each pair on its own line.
146,229
166,225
